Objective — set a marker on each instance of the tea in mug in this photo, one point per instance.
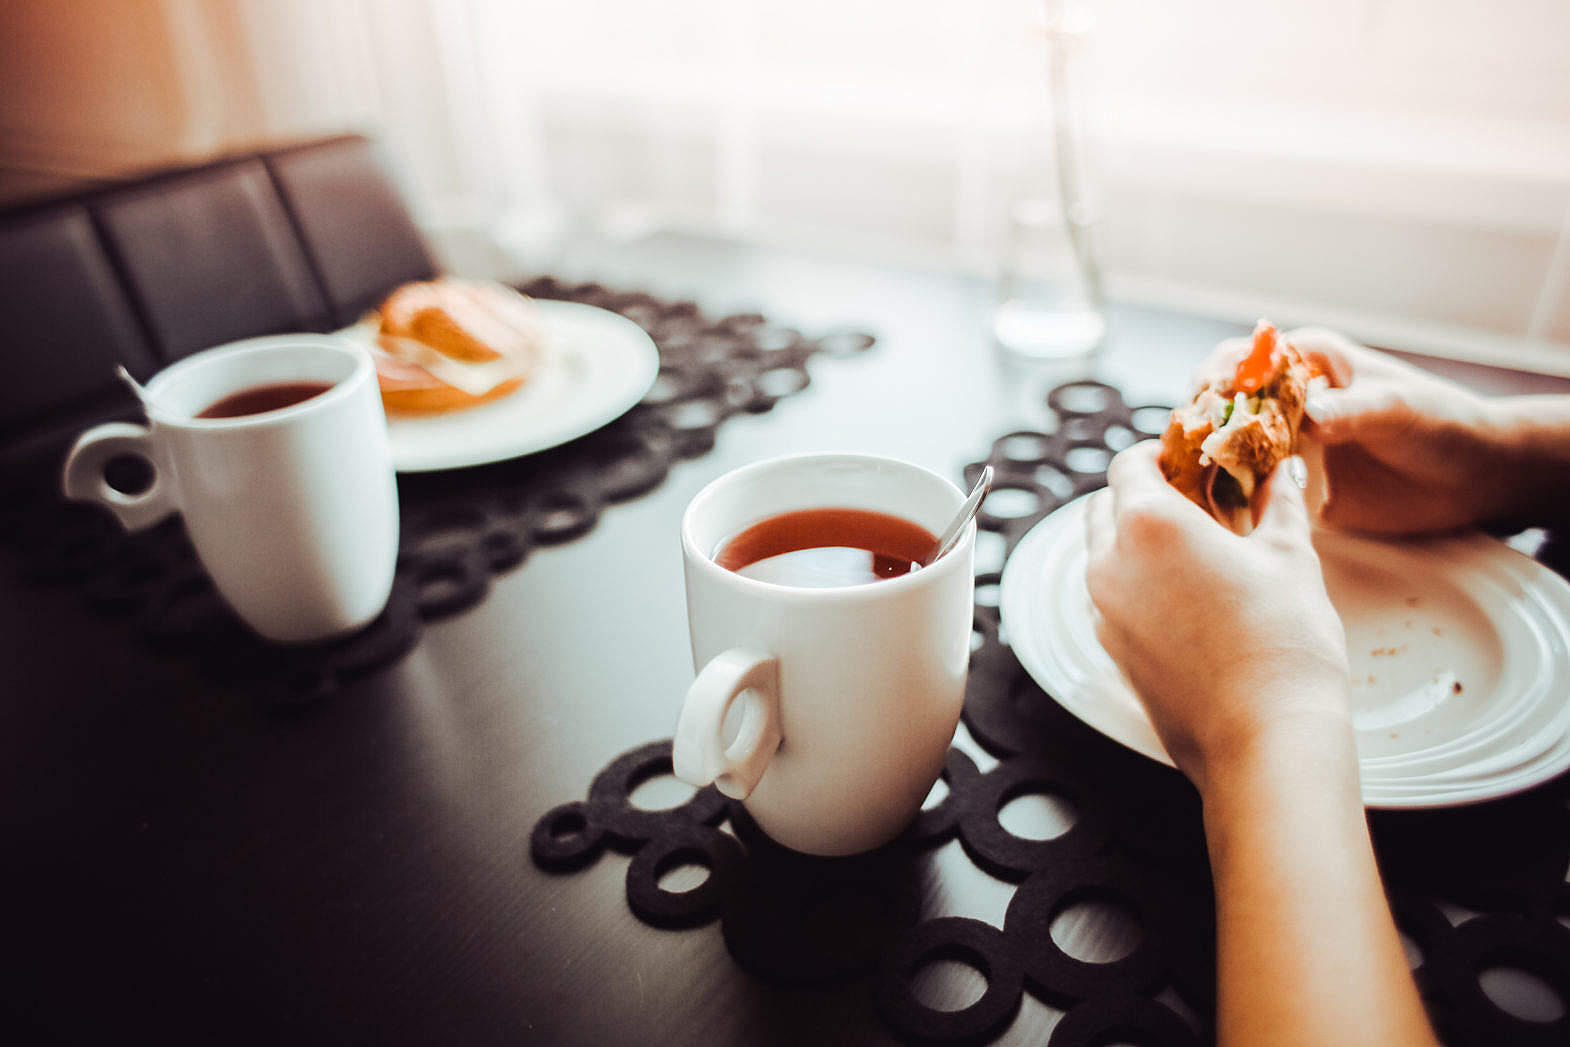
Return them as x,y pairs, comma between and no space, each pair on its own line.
826,548
262,398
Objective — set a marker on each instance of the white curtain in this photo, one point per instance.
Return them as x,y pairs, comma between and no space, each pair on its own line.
1399,159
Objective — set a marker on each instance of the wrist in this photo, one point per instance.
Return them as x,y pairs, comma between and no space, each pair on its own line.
1302,773
1307,746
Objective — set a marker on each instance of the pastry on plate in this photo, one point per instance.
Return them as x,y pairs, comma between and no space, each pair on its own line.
445,344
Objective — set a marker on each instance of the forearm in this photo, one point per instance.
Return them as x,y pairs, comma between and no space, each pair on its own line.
1529,444
1308,952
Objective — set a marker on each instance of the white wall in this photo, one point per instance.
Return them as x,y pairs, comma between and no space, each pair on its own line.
1407,161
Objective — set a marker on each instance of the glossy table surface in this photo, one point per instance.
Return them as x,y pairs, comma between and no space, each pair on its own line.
183,865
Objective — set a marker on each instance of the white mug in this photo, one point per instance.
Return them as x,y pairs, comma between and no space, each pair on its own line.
293,512
848,697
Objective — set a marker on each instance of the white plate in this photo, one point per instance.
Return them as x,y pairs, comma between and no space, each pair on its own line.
1425,617
597,365
1419,616
1436,793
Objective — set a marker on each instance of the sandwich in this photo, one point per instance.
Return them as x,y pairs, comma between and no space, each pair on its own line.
442,345
1242,422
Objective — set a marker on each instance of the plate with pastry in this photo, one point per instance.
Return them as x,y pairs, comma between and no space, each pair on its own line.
474,372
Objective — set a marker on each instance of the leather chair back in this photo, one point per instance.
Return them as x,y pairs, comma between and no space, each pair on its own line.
147,271
65,322
355,227
210,256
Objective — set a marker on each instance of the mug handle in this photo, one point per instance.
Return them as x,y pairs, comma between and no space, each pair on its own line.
82,478
700,755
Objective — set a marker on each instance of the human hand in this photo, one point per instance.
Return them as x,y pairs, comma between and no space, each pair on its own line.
1405,450
1225,638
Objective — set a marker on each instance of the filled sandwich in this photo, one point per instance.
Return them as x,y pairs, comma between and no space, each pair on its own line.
1242,422
442,345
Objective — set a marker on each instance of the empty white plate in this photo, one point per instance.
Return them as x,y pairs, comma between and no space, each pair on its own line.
1459,649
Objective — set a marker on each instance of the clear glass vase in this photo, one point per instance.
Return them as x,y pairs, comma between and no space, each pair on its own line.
1050,303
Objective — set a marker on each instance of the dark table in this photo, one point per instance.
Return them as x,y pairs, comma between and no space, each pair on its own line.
185,864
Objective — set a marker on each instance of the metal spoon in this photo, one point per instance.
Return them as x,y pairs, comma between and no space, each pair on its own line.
967,512
136,387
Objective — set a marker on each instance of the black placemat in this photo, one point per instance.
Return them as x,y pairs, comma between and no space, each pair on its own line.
1137,841
458,528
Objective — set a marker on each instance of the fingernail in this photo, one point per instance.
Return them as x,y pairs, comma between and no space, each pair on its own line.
1297,469
1319,408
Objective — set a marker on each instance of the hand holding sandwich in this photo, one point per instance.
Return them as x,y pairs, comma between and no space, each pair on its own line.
1407,452
1226,637
1239,657
1233,646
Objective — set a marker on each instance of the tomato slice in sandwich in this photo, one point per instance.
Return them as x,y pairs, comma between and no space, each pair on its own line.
1260,363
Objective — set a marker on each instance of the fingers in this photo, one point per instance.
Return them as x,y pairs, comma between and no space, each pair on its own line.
1317,493
1132,473
1135,474
1344,361
1334,353
1361,396
1138,486
1100,535
1284,516
1339,415
1133,478
1100,528
1136,469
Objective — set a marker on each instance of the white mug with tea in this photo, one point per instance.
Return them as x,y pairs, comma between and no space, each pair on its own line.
275,452
831,668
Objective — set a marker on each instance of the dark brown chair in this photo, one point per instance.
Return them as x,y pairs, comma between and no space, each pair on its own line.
151,269
211,256
356,229
65,322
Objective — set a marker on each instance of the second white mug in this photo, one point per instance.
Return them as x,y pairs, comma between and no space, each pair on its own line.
849,695
293,511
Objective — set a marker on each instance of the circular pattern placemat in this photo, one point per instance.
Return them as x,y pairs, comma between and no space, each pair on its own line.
458,528
1136,842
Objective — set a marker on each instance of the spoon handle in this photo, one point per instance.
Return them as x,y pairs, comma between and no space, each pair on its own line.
967,512
133,385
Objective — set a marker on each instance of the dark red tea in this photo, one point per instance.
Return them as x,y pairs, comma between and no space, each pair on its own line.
824,548
261,398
